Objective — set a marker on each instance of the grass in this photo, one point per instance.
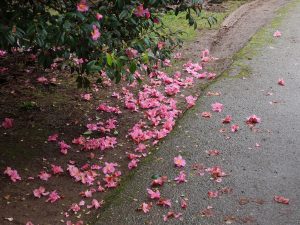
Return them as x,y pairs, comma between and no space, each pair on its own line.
179,22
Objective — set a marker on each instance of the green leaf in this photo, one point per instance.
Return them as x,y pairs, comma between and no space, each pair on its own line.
132,67
109,59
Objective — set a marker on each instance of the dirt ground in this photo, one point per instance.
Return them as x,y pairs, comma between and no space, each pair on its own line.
41,110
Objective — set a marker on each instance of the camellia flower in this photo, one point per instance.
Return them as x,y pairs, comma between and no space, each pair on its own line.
181,178
253,119
281,82
183,204
281,199
277,33
131,53
2,53
145,207
39,192
206,114
164,202
227,119
95,33
13,174
86,97
109,168
234,128
217,107
153,194
53,197
99,16
44,175
56,169
179,161
82,6
191,101
53,137
213,194
132,164
75,207
7,123
95,204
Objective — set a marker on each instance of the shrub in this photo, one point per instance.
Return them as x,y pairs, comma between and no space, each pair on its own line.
88,37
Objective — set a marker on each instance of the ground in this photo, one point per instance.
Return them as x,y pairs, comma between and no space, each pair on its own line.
260,161
66,113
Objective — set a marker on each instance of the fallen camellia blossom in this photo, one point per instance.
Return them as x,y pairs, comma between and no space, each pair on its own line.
281,82
13,174
213,152
53,137
172,214
109,168
183,204
281,199
133,164
179,161
164,202
208,212
95,204
53,197
107,108
181,178
191,101
159,181
277,34
75,207
64,147
39,192
7,123
29,223
206,115
56,169
227,119
153,194
253,120
217,173
234,128
213,194
44,175
217,107
145,207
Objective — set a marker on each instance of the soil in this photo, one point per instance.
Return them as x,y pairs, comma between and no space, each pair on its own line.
41,110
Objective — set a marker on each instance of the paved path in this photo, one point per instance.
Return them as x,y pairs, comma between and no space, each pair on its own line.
256,175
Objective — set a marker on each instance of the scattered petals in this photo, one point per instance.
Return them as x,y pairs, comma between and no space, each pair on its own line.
206,114
281,199
164,202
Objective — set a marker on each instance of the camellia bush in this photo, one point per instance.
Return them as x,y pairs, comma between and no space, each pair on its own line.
116,37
